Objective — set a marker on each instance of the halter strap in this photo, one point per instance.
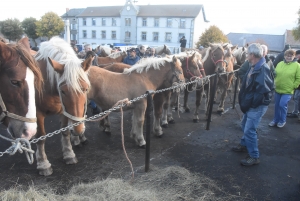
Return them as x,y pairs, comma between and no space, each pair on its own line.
5,113
74,118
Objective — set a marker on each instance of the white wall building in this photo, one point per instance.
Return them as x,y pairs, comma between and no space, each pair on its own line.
152,25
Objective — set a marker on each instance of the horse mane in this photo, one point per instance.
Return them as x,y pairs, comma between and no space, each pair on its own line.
146,64
107,50
115,55
31,63
62,52
206,54
160,48
183,55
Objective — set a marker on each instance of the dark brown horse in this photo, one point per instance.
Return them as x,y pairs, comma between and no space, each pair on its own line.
19,76
65,93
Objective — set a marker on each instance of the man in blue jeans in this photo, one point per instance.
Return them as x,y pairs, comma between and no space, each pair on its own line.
254,97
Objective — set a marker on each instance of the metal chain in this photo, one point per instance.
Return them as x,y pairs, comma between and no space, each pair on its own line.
21,145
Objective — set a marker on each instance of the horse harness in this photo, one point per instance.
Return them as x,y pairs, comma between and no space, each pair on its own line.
74,118
220,60
5,113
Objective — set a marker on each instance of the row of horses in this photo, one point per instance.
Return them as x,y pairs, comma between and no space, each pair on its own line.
53,80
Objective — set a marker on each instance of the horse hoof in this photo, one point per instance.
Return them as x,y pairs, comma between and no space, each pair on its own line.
196,120
172,121
220,112
77,146
46,172
164,125
85,142
175,108
159,136
143,146
187,110
70,161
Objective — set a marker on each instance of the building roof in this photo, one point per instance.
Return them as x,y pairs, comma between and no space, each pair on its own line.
291,40
145,11
274,42
73,12
103,11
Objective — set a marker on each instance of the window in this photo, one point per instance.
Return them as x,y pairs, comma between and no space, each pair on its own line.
73,26
103,34
127,21
113,35
155,36
156,22
93,22
180,36
84,22
182,24
103,22
93,34
73,37
144,22
113,22
168,37
84,33
144,35
127,36
169,22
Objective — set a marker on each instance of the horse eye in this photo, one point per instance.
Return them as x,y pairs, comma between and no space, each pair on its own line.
16,83
63,92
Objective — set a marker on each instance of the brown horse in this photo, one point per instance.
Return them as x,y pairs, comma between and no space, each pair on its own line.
213,61
151,74
65,93
19,76
162,50
114,57
162,108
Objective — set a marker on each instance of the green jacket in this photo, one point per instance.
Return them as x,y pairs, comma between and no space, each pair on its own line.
287,77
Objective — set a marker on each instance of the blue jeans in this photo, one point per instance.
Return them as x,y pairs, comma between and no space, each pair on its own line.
92,104
281,101
249,124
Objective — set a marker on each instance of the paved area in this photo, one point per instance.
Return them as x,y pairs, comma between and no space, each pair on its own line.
186,144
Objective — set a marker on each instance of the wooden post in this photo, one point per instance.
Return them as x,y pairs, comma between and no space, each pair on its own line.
237,82
211,101
149,112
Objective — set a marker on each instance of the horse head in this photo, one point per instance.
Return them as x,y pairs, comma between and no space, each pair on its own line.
240,55
19,76
190,65
217,55
177,76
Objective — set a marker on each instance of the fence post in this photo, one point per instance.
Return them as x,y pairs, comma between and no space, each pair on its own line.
237,82
149,112
211,100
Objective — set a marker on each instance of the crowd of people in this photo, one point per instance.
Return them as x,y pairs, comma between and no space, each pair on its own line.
261,80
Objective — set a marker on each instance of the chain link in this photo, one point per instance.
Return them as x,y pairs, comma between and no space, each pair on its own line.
178,85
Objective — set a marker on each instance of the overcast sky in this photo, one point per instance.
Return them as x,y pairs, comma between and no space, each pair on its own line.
239,16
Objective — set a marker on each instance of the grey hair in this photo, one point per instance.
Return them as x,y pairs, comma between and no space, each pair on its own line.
87,45
256,50
265,49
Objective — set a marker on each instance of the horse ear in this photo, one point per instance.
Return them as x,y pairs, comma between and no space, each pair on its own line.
234,47
225,45
57,66
86,64
25,43
193,56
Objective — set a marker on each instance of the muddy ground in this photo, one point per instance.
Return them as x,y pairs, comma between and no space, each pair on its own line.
184,144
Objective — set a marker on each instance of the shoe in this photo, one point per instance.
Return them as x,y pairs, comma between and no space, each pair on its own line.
280,125
239,148
292,115
248,161
272,124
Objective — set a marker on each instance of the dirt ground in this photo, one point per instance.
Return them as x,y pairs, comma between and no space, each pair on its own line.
184,144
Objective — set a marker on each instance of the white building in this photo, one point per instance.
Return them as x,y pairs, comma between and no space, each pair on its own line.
153,25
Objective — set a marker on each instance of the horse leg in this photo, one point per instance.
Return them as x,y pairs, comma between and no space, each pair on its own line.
222,100
105,124
173,101
185,99
157,104
198,102
68,153
43,165
138,118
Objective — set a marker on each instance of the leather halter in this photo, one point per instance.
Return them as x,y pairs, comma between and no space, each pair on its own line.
220,60
189,71
74,118
5,113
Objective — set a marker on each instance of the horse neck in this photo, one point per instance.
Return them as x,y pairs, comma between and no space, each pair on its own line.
157,77
48,86
209,66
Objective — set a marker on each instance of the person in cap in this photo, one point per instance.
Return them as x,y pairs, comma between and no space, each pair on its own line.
132,58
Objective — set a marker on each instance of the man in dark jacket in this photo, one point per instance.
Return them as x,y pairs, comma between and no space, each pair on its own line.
280,56
254,97
296,96
140,51
182,43
132,58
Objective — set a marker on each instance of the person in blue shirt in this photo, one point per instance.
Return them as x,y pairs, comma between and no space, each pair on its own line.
132,58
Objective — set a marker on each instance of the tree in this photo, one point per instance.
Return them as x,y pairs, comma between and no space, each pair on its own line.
11,29
296,30
29,27
211,35
49,25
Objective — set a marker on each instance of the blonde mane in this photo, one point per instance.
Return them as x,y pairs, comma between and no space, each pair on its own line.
146,64
61,51
107,50
116,55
